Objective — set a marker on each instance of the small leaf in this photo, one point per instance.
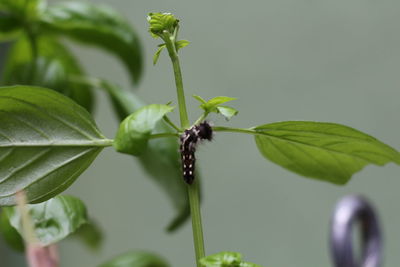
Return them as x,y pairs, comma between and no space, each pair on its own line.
52,220
10,234
90,234
249,264
215,102
100,26
46,142
181,44
161,160
160,22
325,151
136,259
134,132
231,259
157,54
226,259
227,112
200,99
54,68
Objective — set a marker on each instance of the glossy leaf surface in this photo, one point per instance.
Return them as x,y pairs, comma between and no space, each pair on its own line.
161,160
134,132
136,259
226,259
325,151
46,142
100,26
55,68
52,220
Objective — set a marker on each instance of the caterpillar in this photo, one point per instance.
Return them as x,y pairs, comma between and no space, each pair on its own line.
189,140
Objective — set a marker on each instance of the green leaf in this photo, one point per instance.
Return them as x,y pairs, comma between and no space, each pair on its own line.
157,54
160,22
325,151
46,142
134,132
9,23
136,259
9,233
52,220
226,259
100,26
161,160
181,44
249,264
214,105
227,112
216,101
90,234
200,99
222,259
25,10
54,68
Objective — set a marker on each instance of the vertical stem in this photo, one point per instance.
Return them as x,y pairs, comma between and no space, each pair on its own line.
178,82
34,51
193,190
197,227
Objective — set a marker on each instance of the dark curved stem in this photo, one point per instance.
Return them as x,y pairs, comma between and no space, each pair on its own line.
348,211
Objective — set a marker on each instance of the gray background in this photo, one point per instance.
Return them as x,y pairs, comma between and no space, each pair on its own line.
319,60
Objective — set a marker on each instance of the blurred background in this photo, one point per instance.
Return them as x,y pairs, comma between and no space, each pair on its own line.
334,61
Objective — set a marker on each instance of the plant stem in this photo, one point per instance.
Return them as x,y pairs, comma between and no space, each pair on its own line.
34,50
194,202
193,190
234,130
167,120
201,118
173,54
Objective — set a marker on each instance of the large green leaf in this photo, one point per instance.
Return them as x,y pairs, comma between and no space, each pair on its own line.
9,233
55,68
52,220
161,159
136,259
325,151
46,142
135,130
90,234
226,259
25,10
100,26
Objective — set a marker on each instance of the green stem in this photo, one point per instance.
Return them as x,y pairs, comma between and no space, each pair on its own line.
34,50
194,202
234,130
173,54
201,118
193,190
167,120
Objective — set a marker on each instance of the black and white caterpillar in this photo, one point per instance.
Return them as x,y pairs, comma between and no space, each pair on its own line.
189,140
